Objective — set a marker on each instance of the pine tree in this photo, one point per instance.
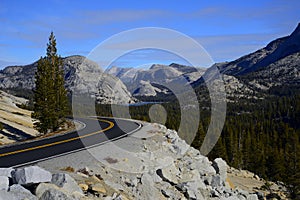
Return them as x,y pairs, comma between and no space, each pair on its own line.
50,96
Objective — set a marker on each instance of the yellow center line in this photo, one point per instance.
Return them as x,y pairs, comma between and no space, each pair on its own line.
111,124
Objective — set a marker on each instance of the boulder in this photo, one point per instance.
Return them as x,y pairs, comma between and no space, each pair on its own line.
252,197
30,175
48,191
19,188
17,192
66,182
169,173
147,188
221,168
6,172
216,181
43,187
193,189
4,183
203,165
53,194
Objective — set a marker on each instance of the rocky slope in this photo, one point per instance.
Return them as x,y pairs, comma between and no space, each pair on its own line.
145,88
82,76
255,74
124,74
17,122
159,166
284,72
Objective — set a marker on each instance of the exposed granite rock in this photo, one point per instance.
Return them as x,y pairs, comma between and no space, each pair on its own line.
66,182
6,172
221,168
30,175
4,183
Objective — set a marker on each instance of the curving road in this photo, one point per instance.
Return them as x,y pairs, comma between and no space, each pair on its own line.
95,132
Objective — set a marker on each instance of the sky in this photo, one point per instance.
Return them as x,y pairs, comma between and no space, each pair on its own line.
225,29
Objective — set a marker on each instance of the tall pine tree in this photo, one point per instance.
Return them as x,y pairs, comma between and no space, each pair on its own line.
50,96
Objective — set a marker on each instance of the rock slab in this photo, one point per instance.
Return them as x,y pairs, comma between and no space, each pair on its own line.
31,175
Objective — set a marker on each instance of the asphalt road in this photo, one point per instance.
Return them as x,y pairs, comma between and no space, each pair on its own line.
96,132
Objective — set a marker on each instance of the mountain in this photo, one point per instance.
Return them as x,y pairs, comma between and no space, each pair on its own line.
284,73
273,70
124,74
82,76
273,52
146,88
157,79
169,73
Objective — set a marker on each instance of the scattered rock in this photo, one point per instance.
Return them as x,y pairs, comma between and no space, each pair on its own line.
53,194
252,197
83,186
85,171
66,182
99,188
256,177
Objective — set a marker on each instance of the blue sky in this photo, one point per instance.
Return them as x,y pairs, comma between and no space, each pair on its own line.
226,29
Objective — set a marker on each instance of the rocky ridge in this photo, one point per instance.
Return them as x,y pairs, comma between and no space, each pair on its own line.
143,82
